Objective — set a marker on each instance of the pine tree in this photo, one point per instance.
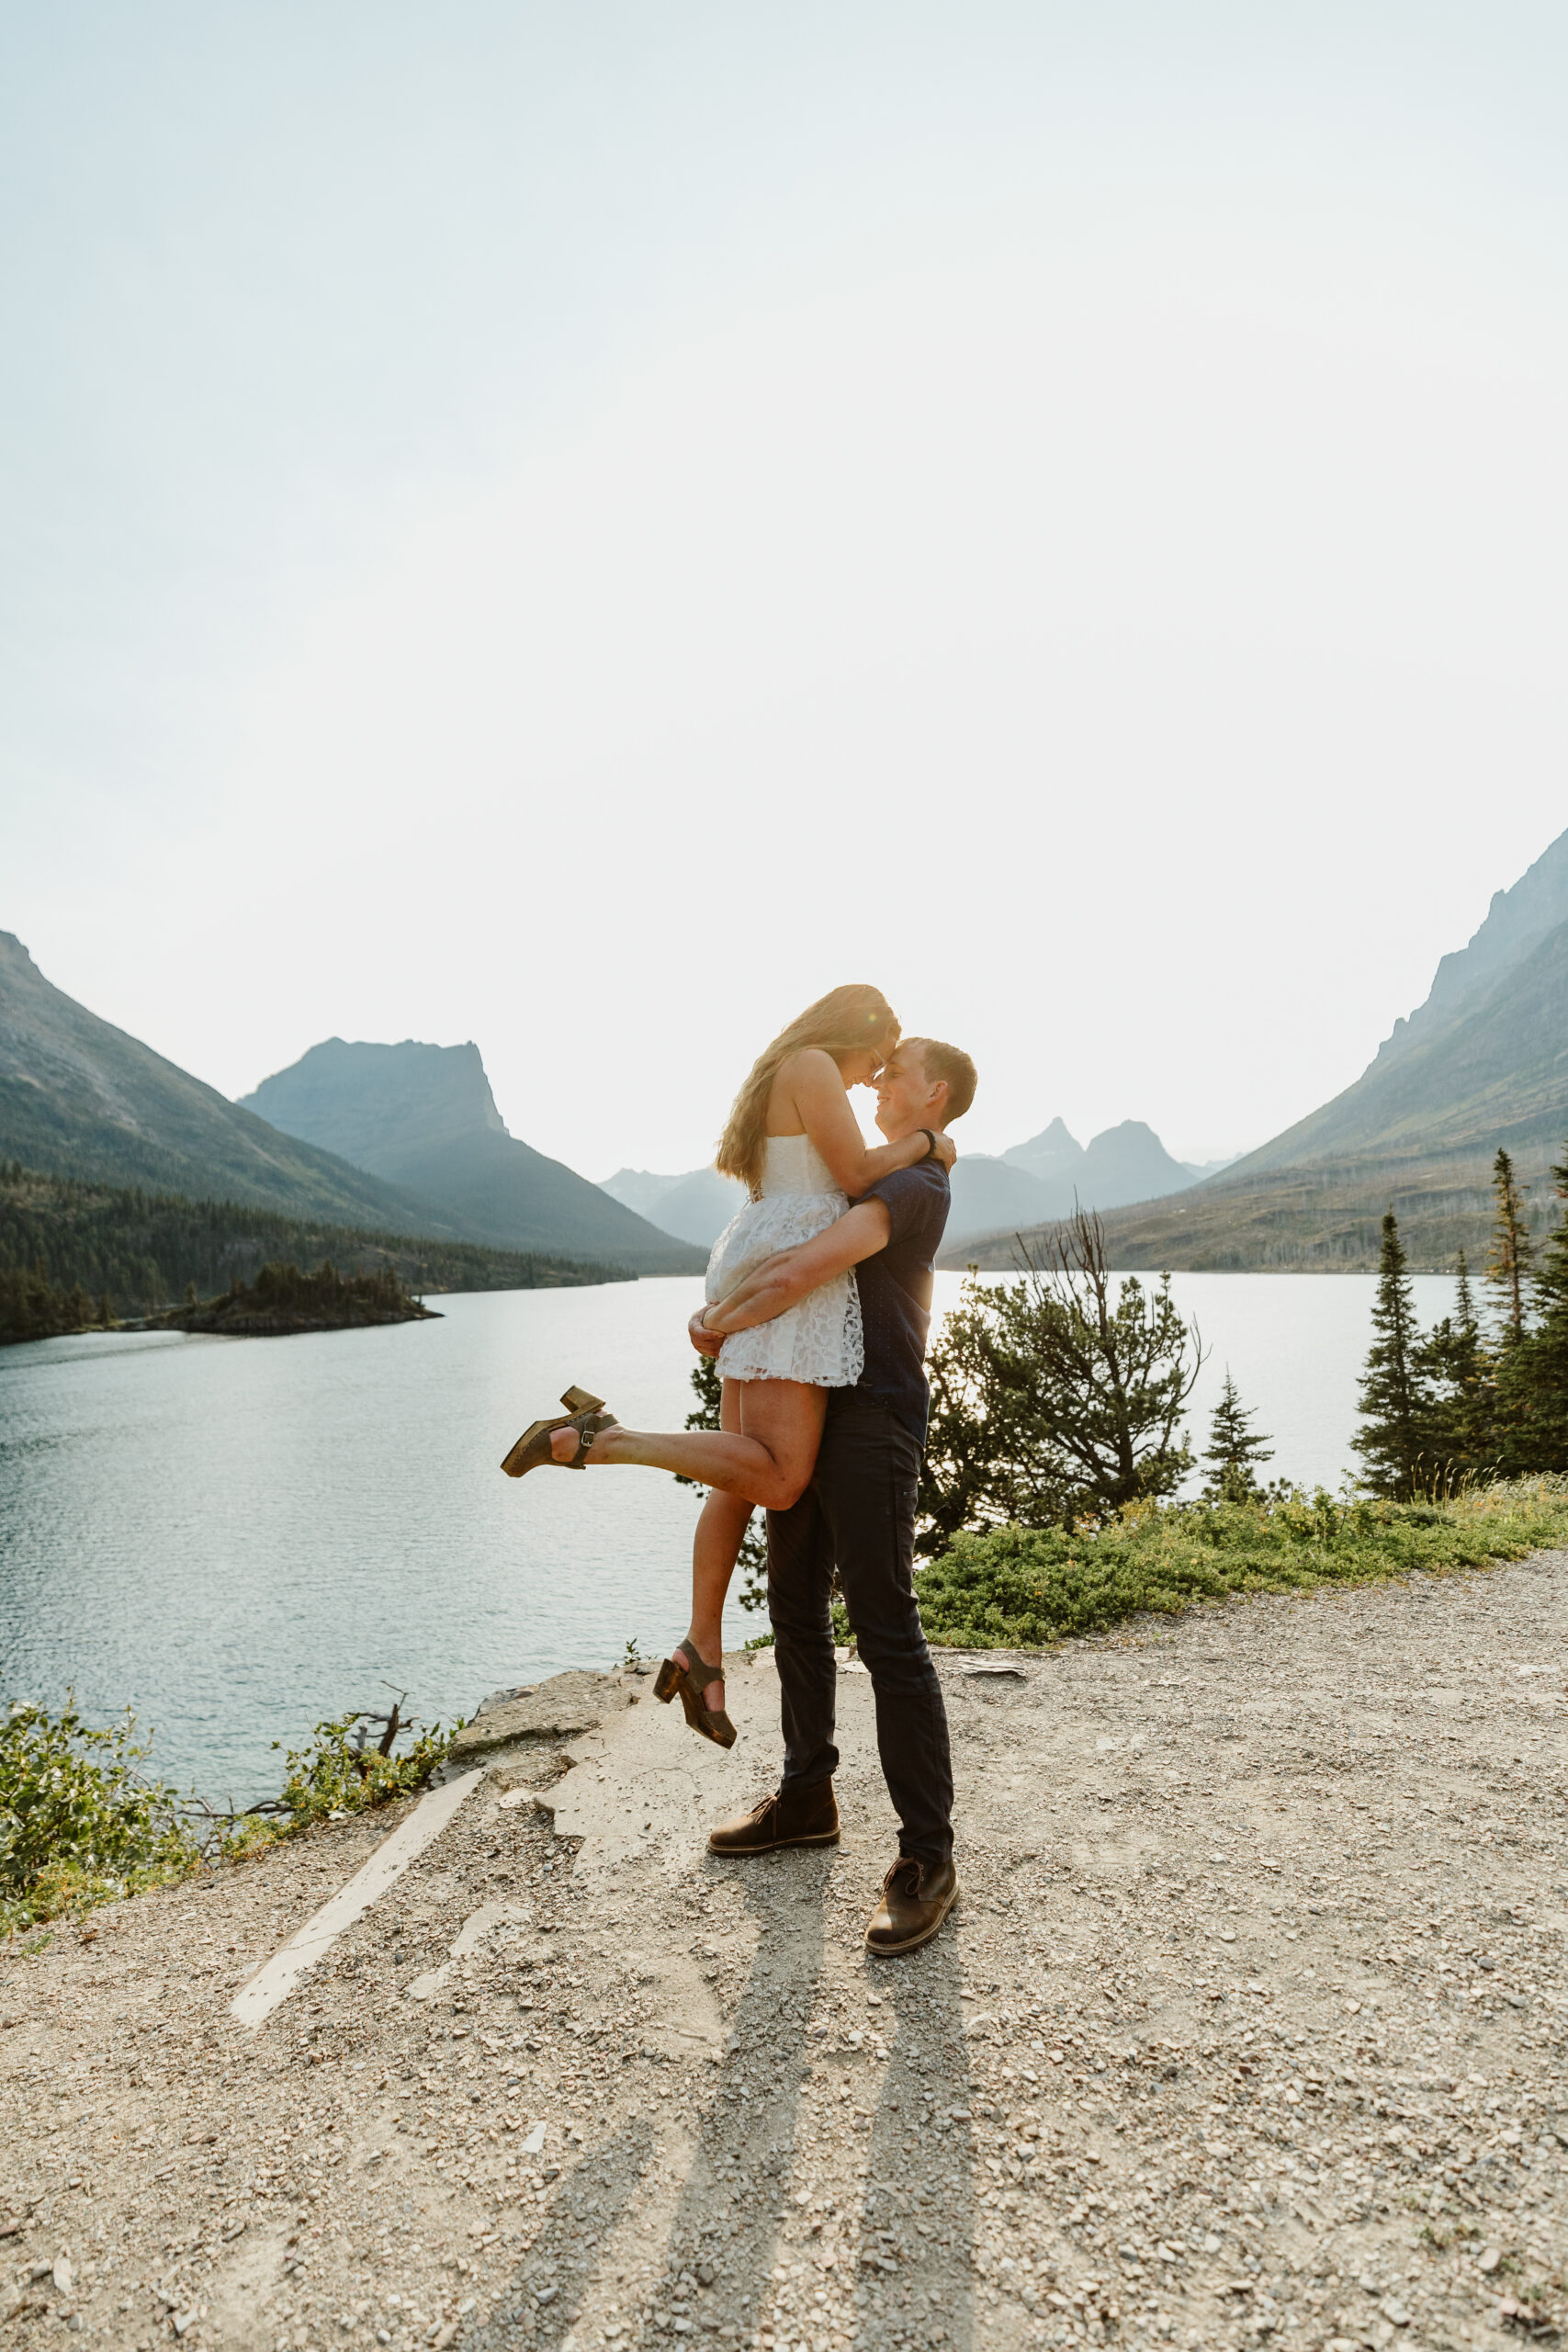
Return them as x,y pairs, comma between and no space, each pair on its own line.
1507,1269
1395,1401
1534,1376
1462,1413
1233,1447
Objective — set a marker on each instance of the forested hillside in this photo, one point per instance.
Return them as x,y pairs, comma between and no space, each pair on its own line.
59,1236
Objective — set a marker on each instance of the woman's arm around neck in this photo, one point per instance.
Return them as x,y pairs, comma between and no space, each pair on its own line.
809,1098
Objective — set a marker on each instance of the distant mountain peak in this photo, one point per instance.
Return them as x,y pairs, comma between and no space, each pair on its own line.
1051,1175
423,1116
1126,1131
1049,1154
79,1097
1517,920
1479,1063
374,1096
694,1207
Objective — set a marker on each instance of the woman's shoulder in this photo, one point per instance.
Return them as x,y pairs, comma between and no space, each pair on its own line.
809,1063
803,1092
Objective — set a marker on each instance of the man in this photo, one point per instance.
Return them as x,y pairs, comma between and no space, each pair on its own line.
857,1515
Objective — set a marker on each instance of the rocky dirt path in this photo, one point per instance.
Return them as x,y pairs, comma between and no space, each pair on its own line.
1250,2028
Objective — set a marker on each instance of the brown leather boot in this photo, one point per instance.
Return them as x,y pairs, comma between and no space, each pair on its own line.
792,1817
915,1898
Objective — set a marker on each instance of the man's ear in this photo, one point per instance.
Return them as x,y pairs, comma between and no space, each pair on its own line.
937,1099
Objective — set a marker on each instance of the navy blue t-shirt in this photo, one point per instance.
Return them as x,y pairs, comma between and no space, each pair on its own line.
895,1291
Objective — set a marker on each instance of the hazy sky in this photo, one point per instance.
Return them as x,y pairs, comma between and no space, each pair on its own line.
579,527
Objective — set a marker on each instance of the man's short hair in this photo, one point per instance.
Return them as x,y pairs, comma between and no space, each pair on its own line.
948,1062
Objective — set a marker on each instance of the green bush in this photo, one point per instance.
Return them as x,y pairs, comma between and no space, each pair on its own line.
331,1777
78,1822
80,1825
1021,1587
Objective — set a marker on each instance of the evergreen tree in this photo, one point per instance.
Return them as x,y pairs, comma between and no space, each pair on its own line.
1507,1269
1056,1397
1395,1400
1461,1413
1534,1376
1234,1448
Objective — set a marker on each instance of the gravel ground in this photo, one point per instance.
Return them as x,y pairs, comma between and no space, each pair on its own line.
1249,2027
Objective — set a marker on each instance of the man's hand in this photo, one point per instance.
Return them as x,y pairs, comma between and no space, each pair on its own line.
944,1149
706,1342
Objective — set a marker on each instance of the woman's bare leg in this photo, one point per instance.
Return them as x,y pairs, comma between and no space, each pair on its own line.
715,1550
768,1461
716,1547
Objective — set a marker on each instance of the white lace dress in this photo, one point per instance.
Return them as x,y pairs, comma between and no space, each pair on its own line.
819,1341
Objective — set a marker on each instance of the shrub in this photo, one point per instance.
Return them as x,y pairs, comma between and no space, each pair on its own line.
333,1775
1056,1397
80,1825
78,1822
1021,1587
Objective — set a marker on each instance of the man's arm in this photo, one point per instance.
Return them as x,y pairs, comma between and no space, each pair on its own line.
783,1280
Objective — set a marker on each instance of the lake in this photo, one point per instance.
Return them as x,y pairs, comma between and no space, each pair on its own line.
237,1537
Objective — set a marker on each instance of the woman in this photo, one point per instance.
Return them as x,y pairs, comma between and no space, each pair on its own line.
793,1143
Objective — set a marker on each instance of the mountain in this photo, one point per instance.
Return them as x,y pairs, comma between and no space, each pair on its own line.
1482,1062
991,1193
1051,1154
423,1118
1031,1182
1128,1163
638,1189
1517,921
1043,1179
695,1207
79,1097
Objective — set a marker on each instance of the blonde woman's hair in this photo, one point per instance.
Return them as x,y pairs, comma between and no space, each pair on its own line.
845,1021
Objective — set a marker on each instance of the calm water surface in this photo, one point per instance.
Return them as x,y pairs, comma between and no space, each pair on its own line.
236,1537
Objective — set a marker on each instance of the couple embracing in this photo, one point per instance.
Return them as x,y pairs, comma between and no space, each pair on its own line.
818,1304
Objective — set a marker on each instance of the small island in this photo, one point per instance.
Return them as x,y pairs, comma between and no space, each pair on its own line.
283,1300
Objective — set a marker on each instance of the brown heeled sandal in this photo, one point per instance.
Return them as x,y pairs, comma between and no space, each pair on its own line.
584,1412
676,1681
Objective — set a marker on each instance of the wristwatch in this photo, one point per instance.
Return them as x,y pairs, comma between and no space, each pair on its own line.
930,1142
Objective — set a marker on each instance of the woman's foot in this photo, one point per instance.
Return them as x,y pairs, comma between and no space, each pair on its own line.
678,1678
533,1448
566,1443
689,1653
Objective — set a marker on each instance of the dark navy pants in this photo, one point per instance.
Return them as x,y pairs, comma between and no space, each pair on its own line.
858,1517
